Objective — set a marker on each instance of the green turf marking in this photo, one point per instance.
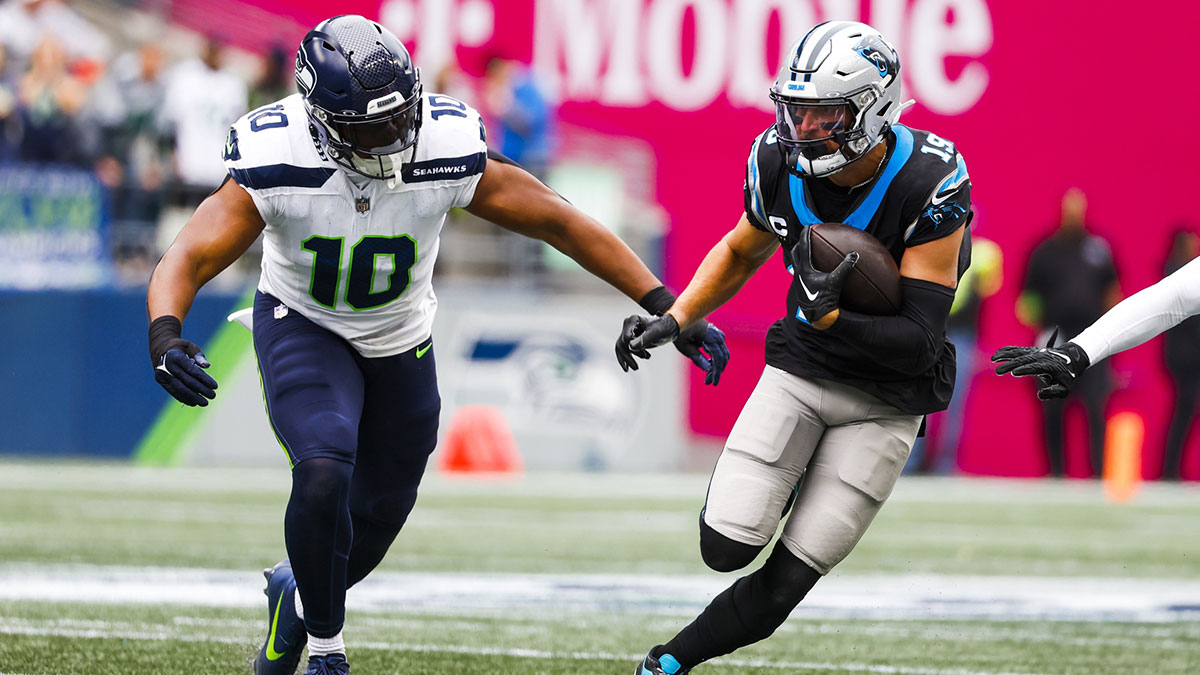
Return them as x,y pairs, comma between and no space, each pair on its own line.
166,439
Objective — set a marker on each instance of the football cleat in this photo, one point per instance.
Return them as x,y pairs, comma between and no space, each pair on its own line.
663,664
330,664
286,636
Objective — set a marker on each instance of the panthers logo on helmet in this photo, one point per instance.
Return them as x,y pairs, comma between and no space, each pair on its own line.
306,79
880,55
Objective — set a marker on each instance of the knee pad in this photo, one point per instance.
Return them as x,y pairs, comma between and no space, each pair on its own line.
723,554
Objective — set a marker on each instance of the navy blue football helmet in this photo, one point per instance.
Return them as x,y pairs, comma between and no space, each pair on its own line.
362,93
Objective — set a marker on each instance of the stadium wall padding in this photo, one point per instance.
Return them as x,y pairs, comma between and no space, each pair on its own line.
75,369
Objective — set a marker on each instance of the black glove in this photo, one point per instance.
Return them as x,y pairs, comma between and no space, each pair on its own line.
703,337
819,291
178,364
640,333
1057,368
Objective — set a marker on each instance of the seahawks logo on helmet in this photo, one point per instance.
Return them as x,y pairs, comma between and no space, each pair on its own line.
306,79
880,55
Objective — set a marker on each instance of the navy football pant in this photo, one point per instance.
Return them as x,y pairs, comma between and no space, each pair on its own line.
358,432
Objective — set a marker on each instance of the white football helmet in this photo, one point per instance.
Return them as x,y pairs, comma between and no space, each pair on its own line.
836,96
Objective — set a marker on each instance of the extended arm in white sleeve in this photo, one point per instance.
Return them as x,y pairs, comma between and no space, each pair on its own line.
1144,314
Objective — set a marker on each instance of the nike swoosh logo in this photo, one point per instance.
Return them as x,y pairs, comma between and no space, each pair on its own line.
273,655
1064,357
945,194
421,350
810,294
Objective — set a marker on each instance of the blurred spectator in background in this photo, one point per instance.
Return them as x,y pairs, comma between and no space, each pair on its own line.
26,24
8,107
1182,351
937,451
49,98
278,78
1070,281
202,100
520,118
133,151
453,82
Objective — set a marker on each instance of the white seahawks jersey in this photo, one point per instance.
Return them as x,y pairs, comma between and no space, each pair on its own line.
358,262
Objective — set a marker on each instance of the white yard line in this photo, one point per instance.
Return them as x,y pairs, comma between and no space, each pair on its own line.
840,596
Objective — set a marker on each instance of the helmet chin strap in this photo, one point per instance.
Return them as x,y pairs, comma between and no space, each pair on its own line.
397,160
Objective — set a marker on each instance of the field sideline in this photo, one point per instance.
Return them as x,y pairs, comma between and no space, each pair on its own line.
117,569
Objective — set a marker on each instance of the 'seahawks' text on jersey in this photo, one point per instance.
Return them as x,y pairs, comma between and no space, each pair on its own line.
356,260
921,193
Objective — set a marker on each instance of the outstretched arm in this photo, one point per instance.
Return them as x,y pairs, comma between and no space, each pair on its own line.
724,271
221,229
1144,314
513,199
1130,323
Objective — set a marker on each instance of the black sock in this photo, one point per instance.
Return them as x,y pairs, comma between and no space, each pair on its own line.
748,611
317,531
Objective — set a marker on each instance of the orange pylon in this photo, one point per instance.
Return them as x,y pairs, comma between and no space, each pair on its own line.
479,441
1123,456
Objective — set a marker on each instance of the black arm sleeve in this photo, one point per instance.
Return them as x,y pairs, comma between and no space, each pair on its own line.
910,342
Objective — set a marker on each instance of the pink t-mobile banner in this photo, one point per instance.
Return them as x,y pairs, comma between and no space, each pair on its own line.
1037,96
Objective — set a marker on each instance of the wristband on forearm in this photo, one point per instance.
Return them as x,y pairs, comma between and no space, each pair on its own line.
657,301
910,342
163,330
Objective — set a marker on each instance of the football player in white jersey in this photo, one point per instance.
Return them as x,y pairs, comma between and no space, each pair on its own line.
350,182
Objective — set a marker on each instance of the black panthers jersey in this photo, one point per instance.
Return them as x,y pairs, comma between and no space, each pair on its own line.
921,193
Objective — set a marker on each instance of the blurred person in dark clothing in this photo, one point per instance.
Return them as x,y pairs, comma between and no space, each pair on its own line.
8,107
520,117
1182,359
49,97
278,78
133,150
1069,283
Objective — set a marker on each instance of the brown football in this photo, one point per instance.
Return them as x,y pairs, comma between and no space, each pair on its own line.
873,286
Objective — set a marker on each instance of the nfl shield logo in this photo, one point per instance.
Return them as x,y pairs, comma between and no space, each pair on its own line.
362,204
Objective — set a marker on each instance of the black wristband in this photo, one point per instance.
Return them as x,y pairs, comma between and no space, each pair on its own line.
657,301
163,330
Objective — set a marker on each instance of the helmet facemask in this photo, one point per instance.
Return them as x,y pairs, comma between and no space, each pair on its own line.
372,145
819,137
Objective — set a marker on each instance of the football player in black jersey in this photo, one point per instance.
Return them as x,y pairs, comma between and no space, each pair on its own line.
830,424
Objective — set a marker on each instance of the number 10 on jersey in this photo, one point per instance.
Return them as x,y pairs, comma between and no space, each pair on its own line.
364,263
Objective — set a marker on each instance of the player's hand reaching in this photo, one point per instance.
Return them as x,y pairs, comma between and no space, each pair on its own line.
702,342
819,291
1057,368
179,365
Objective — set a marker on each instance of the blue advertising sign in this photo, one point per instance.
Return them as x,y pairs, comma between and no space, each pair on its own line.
51,228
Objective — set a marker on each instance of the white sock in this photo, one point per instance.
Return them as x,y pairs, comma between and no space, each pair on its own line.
323,646
299,606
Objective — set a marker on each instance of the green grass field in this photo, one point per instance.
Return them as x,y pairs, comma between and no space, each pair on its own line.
116,569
